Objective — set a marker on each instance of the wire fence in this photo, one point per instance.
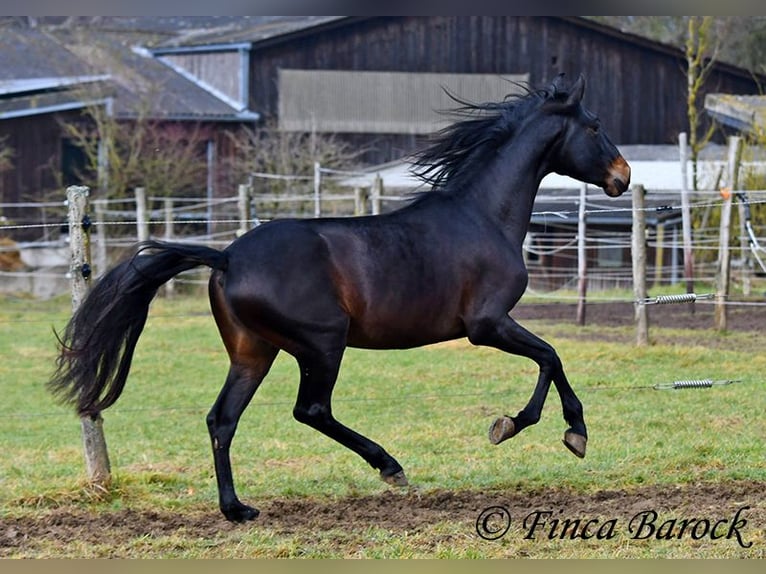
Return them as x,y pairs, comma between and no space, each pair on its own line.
35,250
221,220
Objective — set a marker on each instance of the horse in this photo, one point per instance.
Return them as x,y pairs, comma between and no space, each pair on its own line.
446,265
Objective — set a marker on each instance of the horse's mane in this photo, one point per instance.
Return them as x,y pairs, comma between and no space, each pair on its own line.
457,151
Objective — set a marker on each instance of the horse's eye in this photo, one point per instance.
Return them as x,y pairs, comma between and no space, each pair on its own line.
594,128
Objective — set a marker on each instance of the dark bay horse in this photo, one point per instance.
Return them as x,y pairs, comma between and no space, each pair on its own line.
447,265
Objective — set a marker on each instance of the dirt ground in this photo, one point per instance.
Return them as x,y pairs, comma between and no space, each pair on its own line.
411,511
397,511
700,315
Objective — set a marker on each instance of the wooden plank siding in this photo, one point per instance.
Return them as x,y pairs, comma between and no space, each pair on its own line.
36,172
219,70
37,146
638,87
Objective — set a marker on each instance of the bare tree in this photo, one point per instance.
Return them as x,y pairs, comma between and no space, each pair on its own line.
165,157
270,150
701,49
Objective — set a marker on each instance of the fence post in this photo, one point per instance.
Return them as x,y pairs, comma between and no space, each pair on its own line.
101,255
724,253
317,189
659,254
582,257
744,247
377,191
142,223
243,207
638,253
360,201
94,443
169,288
686,217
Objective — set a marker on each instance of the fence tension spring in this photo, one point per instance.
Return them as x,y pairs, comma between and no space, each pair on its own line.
683,298
693,384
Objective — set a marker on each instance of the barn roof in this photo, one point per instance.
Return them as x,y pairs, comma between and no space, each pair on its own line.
249,30
33,96
136,77
744,113
36,54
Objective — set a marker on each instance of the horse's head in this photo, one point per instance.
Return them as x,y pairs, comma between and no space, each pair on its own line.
584,150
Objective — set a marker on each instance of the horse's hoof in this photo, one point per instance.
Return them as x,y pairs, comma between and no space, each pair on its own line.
576,443
396,479
240,513
503,428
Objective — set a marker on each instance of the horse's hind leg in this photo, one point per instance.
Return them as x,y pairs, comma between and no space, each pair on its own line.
319,372
251,358
245,375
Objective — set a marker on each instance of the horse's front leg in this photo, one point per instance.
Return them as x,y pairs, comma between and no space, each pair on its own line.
507,335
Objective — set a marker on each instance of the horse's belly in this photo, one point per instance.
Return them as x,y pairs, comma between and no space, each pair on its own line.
402,331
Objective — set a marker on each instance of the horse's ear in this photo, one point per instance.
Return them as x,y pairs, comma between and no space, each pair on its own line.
576,91
558,83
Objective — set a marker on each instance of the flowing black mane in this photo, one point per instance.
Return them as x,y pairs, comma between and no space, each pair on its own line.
460,149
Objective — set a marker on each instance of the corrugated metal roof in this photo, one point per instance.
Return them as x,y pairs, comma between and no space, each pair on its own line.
746,113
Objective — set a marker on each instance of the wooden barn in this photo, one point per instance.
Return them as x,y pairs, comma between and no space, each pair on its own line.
341,74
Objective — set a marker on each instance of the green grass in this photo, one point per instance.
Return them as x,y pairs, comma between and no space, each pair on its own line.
428,407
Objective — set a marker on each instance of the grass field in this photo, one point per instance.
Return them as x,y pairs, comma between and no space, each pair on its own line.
672,452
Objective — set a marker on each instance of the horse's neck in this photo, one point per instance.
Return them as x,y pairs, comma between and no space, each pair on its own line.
506,191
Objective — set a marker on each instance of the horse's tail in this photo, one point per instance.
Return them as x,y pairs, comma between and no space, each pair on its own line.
97,346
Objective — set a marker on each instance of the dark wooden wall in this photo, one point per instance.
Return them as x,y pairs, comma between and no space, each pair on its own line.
637,87
36,174
36,145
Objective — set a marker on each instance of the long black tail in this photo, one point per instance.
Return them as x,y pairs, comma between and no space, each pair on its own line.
97,346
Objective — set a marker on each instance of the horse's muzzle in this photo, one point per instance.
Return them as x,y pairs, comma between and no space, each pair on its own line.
618,178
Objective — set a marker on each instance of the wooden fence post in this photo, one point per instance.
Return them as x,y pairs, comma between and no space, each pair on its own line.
724,253
638,253
94,443
744,248
582,257
169,289
317,189
659,254
244,192
101,252
377,192
142,223
360,201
